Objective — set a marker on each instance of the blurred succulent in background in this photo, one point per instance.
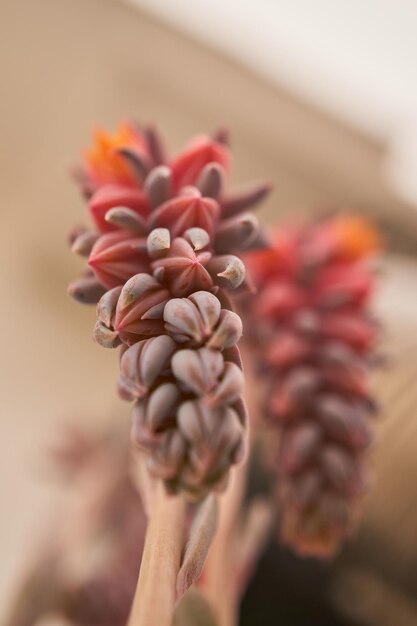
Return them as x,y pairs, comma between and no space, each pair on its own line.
315,341
162,259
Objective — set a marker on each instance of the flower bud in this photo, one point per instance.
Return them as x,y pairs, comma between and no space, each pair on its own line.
216,440
83,242
188,211
228,332
110,196
239,201
193,318
229,388
116,257
142,364
197,237
228,271
86,289
187,166
158,242
168,457
139,308
152,415
237,233
127,219
344,422
299,446
158,186
138,163
183,269
198,320
198,371
130,313
341,470
210,181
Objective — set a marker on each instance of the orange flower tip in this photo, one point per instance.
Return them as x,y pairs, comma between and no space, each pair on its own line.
355,237
102,160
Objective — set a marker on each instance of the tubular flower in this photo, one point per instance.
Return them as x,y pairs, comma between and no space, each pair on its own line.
316,339
104,163
162,256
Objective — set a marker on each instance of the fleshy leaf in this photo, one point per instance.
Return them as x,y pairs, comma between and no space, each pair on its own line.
201,535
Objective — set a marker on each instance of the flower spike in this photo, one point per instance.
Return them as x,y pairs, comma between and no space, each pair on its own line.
314,345
163,256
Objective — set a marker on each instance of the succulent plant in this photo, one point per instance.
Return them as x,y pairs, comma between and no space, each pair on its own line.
315,346
162,256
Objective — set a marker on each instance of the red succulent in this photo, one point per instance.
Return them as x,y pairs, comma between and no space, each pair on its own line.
315,338
164,244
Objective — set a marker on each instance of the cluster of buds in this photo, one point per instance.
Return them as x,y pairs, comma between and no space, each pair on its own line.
315,347
162,257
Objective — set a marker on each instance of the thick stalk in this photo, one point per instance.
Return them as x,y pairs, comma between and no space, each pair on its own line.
154,600
219,582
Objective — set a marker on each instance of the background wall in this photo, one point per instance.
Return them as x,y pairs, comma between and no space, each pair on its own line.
67,65
353,59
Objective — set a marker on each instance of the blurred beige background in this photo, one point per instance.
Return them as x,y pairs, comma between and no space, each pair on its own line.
67,65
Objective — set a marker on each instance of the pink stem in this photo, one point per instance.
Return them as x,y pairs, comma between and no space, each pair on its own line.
154,600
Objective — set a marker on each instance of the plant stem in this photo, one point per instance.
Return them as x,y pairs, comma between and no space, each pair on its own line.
219,584
154,600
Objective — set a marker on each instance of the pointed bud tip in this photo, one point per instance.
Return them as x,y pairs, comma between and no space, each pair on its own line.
198,237
158,241
210,181
234,273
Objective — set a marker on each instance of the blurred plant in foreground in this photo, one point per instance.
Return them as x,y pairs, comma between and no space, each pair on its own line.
88,561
